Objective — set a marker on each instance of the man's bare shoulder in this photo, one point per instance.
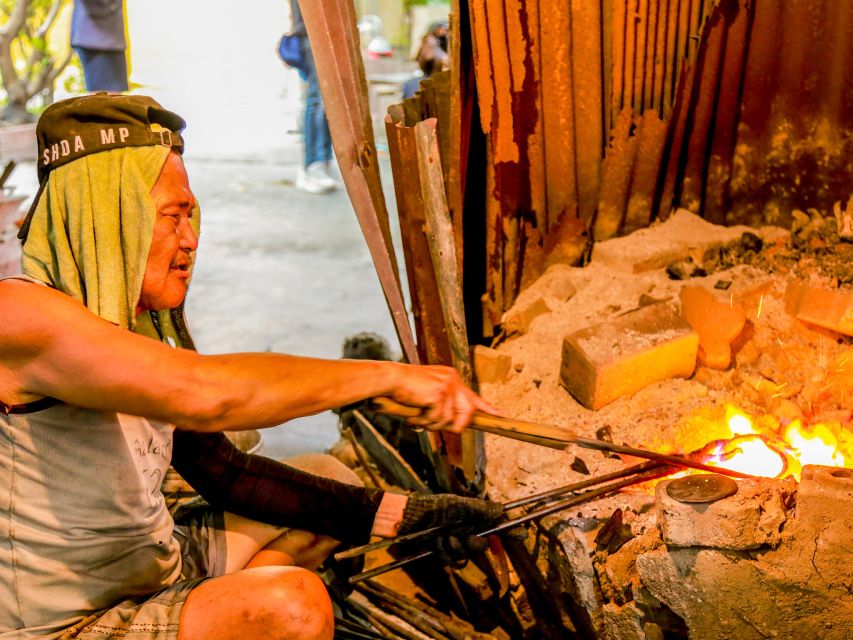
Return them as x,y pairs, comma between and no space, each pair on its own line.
15,293
29,309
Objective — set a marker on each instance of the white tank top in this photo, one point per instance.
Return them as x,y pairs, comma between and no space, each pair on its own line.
83,521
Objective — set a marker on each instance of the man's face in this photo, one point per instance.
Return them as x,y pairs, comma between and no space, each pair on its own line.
168,268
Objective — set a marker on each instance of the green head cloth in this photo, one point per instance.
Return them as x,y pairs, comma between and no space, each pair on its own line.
89,230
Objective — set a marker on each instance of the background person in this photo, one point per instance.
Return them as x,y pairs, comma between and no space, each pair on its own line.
101,390
432,56
314,176
98,37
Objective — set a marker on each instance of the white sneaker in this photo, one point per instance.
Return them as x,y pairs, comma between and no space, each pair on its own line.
314,179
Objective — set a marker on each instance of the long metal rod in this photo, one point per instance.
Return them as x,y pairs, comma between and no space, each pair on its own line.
555,437
545,495
533,515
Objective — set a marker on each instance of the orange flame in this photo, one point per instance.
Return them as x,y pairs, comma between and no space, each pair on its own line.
774,450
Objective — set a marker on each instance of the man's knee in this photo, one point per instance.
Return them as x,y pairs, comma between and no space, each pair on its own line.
270,602
302,602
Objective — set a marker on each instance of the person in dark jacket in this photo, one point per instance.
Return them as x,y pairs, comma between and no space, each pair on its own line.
98,37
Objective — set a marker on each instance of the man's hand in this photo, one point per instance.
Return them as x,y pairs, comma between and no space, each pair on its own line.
447,401
464,517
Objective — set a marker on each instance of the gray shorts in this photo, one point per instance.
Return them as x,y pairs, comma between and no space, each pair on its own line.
201,534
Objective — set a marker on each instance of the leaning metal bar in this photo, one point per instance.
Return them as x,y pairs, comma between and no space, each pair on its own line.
533,515
331,26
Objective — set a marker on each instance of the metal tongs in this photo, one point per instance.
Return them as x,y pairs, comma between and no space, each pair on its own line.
624,478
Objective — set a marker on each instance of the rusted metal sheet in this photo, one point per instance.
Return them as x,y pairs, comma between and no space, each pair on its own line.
716,199
794,139
648,101
672,169
671,61
459,123
607,64
641,25
651,139
332,29
432,342
632,8
493,303
481,49
587,96
616,173
558,111
659,64
505,147
701,120
535,141
617,78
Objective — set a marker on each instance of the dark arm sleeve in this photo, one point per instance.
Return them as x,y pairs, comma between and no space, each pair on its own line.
263,489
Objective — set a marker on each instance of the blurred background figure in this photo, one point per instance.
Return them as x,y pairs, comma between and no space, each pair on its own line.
431,57
373,43
98,37
313,176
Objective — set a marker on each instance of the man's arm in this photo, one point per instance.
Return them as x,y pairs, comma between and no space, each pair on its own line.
266,490
50,345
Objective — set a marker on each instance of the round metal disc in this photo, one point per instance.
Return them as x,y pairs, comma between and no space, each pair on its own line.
703,487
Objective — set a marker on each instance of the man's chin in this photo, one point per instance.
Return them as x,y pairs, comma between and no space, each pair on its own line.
164,302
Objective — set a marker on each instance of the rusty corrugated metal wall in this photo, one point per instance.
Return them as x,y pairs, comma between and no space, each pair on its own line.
601,116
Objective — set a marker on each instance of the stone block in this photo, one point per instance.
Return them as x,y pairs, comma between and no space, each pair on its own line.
622,623
718,324
569,551
751,518
824,516
490,365
552,287
681,236
557,282
726,595
827,308
604,362
523,312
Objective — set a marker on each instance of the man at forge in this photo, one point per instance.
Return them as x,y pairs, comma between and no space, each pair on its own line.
101,390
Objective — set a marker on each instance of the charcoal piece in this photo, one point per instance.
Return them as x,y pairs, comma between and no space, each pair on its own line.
606,434
751,242
579,466
722,284
681,269
622,535
614,533
609,529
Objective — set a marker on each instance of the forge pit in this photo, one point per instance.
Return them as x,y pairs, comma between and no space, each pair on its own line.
767,562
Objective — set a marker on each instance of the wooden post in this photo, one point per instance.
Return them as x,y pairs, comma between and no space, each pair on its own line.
442,246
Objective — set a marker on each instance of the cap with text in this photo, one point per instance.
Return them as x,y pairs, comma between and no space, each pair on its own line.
76,127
